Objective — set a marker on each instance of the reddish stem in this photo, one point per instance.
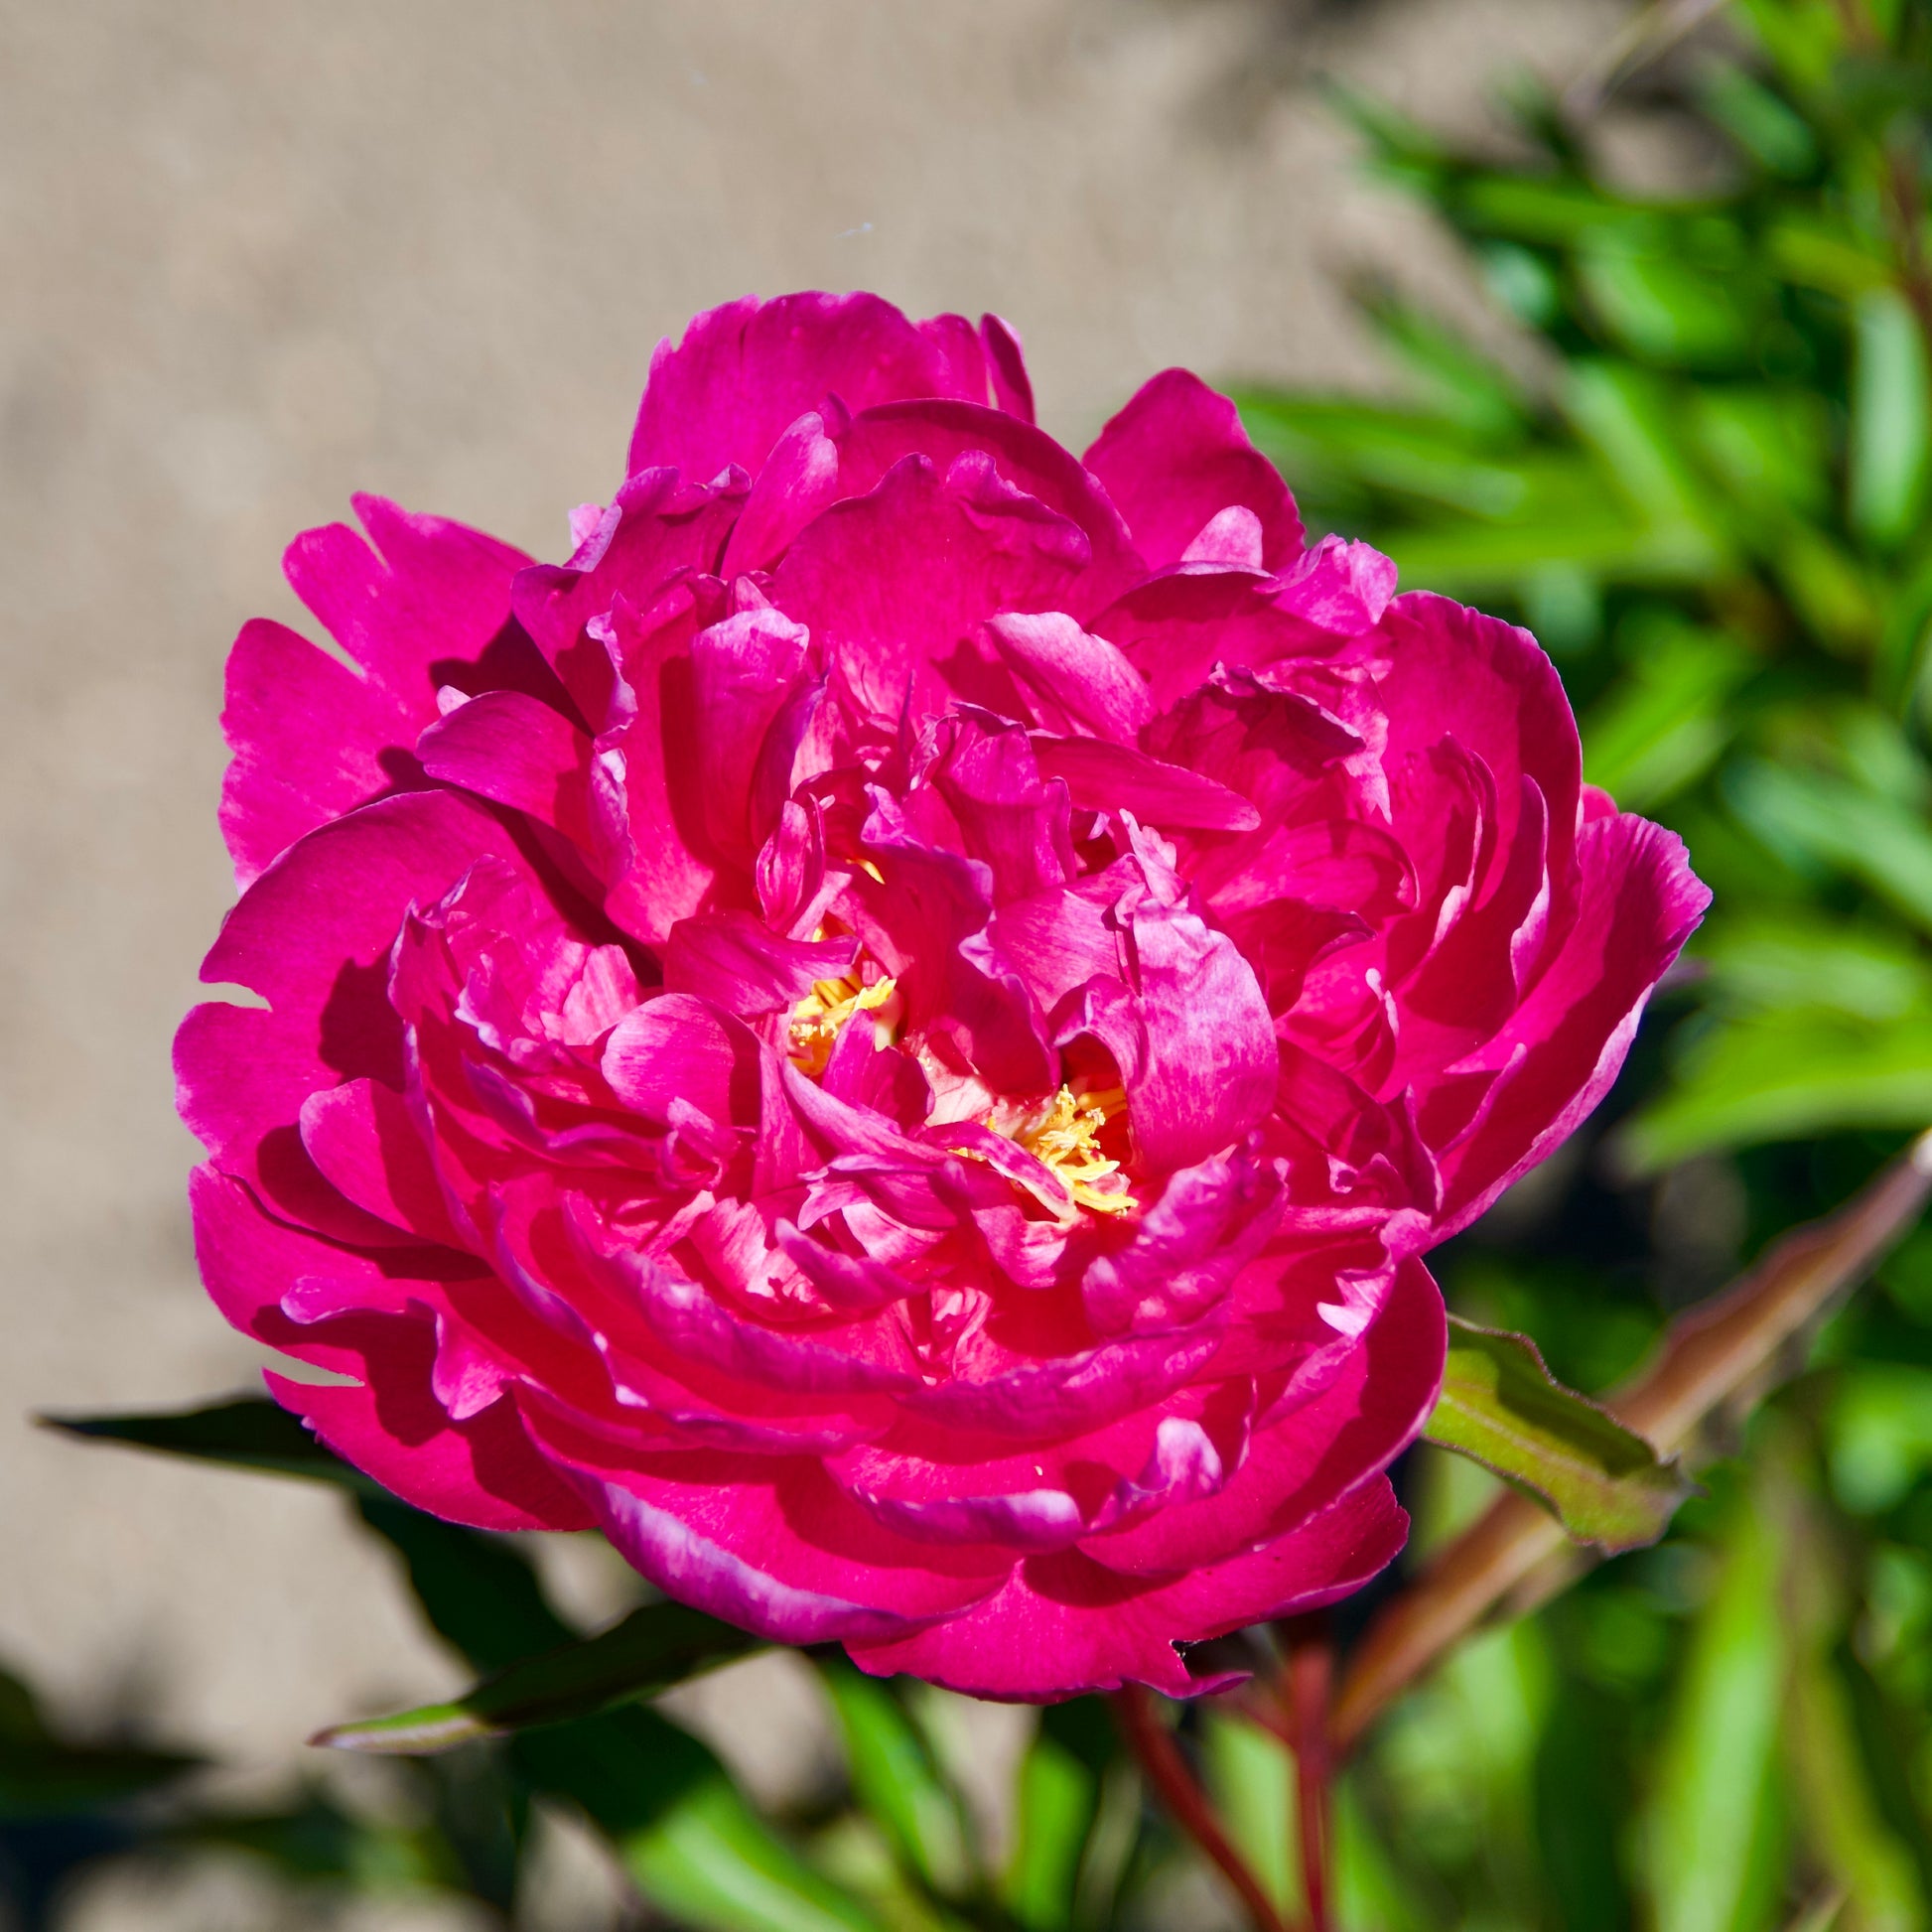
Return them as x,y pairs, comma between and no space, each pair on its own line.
1310,1680
1167,1770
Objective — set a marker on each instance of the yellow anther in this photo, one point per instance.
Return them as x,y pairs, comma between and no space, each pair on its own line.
1065,1137
819,1018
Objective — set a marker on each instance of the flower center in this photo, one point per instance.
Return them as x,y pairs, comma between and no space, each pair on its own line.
1065,1136
820,1017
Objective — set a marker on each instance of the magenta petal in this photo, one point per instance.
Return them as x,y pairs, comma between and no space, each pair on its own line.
1556,1057
1301,1464
1186,1248
1191,1035
522,753
365,1141
892,583
745,694
1013,388
663,1547
1230,930
483,1472
307,736
1079,682
313,936
1117,777
679,1048
1063,1625
742,966
1175,458
744,372
415,612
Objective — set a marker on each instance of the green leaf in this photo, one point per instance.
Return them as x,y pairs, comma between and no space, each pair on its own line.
1461,383
711,1863
1817,253
651,1650
248,1432
1709,1821
1632,421
478,1591
688,1839
1794,961
1845,1818
1891,420
43,1775
1812,818
1056,1808
49,1780
896,1779
1501,1407
1771,448
1250,1776
1658,305
1778,1076
1772,134
1662,726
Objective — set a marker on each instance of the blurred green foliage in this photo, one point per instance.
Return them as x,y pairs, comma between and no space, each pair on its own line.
1701,473
1698,466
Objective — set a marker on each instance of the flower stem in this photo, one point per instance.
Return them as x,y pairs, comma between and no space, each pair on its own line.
1309,1678
1720,1358
1167,1770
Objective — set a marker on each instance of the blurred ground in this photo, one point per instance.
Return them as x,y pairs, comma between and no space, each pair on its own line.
257,256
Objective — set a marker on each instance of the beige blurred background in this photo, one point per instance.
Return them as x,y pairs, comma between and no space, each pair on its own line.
255,254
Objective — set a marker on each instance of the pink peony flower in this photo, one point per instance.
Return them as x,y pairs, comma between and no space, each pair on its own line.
892,1035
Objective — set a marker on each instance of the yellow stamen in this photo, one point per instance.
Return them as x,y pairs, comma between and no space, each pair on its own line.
819,1018
1065,1137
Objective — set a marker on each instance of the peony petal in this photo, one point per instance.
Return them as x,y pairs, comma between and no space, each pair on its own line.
1191,1035
1638,904
1063,1625
893,584
1084,683
522,753
744,372
1175,458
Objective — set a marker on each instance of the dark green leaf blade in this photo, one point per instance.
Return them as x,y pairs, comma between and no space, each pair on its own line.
245,1433
1501,1407
683,1831
653,1648
894,1776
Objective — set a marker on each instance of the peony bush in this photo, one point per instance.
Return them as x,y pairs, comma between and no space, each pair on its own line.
893,1033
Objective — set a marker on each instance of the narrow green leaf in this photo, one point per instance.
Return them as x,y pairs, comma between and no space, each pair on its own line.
1704,1844
1658,305
1845,1821
1466,385
246,1432
1501,1407
1632,420
1891,420
651,1650
1812,817
1772,134
478,1591
894,1778
711,1863
1796,960
1780,1075
1053,1813
1251,1778
1662,726
50,1778
688,1839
